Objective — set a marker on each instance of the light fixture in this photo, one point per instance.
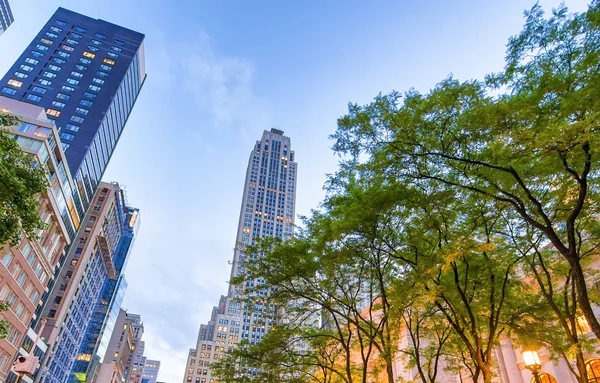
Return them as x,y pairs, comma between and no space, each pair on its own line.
532,361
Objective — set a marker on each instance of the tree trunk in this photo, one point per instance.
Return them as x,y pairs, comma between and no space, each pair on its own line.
486,371
390,371
582,295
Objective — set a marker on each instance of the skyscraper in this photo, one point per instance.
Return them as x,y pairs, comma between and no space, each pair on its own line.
150,373
6,16
268,208
86,73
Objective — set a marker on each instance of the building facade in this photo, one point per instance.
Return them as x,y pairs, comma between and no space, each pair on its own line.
268,209
28,267
74,300
6,16
151,369
86,73
113,368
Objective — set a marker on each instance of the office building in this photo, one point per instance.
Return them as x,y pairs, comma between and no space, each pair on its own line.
268,208
151,369
28,267
113,368
89,264
6,16
87,74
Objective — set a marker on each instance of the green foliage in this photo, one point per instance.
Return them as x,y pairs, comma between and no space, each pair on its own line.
21,181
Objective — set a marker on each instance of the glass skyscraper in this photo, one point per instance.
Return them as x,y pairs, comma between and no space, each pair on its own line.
6,16
268,209
87,74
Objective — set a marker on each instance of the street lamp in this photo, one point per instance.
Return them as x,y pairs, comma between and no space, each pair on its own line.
532,362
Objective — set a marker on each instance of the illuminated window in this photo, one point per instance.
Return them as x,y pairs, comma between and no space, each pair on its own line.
89,54
43,48
31,61
77,74
67,48
94,88
67,88
53,112
108,61
56,29
15,83
43,81
72,81
82,111
46,41
98,81
21,75
49,74
51,35
593,370
55,68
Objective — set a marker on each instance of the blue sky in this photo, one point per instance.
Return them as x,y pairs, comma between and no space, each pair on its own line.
219,73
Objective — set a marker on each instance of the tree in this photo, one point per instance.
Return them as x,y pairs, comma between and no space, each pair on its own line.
21,181
526,139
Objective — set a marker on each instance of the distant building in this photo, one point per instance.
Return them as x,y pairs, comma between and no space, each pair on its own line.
86,73
268,209
6,16
28,267
113,368
151,368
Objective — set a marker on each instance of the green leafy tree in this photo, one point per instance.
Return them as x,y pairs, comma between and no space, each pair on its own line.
527,139
21,181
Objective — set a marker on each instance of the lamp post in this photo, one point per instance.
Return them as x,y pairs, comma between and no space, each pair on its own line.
532,362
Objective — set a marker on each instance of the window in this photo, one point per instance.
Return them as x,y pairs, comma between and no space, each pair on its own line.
113,55
39,89
63,54
6,259
55,29
89,54
55,68
101,74
105,67
33,97
108,61
26,68
94,88
49,74
100,36
86,103
62,96
67,48
53,112
119,42
67,88
33,297
75,35
46,41
36,54
58,60
116,49
51,35
85,61
547,378
72,42
77,74
89,95
80,29
73,128
65,146
31,61
593,370
15,83
43,81
82,111
67,136
9,91
60,22
58,104
41,47
72,81
21,75
77,119
80,67
92,48
98,81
